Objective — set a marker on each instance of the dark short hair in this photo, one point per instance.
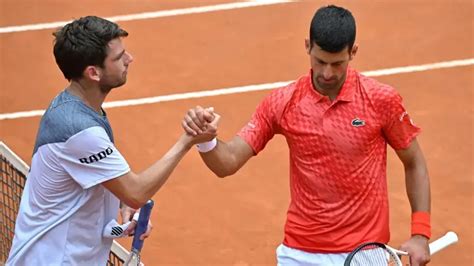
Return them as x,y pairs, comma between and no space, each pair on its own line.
84,42
332,28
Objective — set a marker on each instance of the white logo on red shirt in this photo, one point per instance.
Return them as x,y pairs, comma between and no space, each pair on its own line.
403,116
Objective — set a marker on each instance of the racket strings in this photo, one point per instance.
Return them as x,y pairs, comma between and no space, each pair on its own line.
373,255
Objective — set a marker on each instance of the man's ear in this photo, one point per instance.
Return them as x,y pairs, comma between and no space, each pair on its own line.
92,73
307,46
354,49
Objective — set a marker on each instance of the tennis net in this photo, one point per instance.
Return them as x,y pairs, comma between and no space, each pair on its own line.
12,181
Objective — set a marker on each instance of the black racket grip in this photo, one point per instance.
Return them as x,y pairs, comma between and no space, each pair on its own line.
142,225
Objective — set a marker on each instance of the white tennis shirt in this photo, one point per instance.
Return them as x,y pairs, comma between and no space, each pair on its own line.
64,209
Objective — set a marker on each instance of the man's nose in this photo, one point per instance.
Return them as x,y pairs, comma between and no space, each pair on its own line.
130,57
327,72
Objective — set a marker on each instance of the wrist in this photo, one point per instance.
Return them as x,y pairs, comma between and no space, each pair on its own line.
186,142
420,238
207,146
421,224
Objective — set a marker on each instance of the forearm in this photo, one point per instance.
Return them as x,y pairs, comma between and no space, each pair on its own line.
228,157
153,178
220,160
418,187
418,190
135,190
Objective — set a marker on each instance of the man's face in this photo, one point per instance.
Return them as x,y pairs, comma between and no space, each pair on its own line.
114,73
329,69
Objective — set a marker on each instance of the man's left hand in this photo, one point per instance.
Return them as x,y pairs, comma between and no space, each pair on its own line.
127,215
418,250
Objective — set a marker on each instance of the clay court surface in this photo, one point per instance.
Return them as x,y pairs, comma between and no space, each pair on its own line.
200,219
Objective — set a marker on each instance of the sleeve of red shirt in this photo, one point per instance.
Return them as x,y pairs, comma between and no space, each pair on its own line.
398,128
264,123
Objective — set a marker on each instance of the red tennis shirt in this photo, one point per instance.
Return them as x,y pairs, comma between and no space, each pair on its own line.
337,158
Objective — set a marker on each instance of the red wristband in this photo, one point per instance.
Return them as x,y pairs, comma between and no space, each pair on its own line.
420,224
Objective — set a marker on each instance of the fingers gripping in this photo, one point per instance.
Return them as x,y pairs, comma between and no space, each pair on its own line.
197,120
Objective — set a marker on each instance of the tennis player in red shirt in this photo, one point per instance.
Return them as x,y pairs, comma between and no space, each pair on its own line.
337,124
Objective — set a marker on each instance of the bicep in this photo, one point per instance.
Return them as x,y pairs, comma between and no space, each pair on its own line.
123,187
90,158
412,155
397,126
241,150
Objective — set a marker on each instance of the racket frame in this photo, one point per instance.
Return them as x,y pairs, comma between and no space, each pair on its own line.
448,239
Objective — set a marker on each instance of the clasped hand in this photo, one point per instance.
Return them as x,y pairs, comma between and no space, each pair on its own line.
201,123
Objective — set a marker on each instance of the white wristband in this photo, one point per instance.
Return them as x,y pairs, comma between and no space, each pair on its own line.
207,146
135,216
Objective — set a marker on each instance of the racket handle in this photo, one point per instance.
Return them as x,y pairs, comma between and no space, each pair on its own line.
142,225
440,243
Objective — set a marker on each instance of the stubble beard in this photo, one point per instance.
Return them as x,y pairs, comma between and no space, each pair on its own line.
337,85
106,88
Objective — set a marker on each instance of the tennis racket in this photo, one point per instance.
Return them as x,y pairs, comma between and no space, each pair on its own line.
133,258
378,254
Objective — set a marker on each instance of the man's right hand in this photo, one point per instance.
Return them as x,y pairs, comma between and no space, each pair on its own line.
201,123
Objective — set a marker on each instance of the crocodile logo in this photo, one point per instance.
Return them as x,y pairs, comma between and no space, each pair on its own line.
357,122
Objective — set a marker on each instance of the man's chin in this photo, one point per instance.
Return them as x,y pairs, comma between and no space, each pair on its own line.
109,88
118,85
327,86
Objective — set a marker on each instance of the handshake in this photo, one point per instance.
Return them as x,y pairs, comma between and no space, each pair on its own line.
200,125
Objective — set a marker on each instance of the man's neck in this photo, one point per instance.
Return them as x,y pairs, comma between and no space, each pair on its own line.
90,95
